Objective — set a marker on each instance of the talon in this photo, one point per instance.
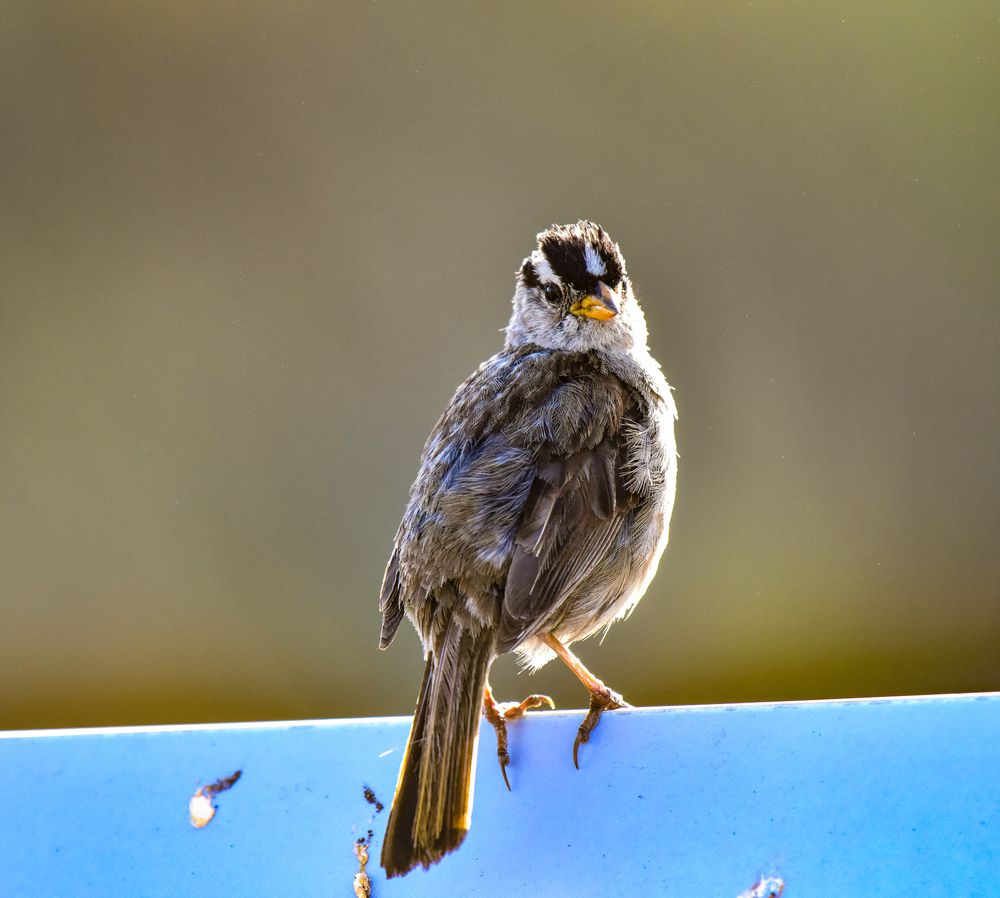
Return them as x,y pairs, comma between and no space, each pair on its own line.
512,711
582,737
504,760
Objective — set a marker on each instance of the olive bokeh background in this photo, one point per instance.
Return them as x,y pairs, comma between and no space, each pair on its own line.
249,250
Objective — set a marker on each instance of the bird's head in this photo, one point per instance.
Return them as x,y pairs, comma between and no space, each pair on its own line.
573,294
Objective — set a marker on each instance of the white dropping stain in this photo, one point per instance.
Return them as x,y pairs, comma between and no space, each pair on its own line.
201,806
201,809
362,882
768,887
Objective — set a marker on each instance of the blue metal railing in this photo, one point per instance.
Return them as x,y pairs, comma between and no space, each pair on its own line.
891,797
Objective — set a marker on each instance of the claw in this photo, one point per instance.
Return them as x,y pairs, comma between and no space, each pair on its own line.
512,711
582,738
504,760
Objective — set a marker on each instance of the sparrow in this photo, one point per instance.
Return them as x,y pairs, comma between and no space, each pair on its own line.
537,519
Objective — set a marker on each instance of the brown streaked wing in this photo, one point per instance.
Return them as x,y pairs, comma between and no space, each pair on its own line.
390,601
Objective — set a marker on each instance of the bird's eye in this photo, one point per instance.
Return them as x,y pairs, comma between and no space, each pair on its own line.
552,292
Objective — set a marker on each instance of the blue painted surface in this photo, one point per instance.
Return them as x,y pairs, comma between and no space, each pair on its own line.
861,798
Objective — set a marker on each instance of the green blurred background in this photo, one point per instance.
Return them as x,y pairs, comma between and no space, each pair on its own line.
250,249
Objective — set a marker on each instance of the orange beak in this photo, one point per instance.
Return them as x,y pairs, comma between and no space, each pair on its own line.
602,305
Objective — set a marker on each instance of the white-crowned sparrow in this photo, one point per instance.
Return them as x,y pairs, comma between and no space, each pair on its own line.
537,518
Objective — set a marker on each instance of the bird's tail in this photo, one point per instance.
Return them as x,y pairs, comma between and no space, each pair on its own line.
433,801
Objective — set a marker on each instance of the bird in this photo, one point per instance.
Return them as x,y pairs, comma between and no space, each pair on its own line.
537,518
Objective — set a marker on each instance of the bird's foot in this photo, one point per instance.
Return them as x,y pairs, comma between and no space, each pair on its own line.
498,713
601,699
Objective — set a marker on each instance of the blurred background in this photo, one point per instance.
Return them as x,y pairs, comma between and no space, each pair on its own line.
249,250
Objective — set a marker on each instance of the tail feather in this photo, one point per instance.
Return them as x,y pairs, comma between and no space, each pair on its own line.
433,802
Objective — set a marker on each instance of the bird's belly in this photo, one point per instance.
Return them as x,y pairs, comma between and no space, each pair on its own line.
602,599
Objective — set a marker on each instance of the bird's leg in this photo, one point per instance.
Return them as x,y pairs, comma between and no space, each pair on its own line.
601,698
498,713
495,717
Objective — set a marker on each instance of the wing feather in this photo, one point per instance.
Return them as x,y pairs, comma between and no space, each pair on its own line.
575,513
390,601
